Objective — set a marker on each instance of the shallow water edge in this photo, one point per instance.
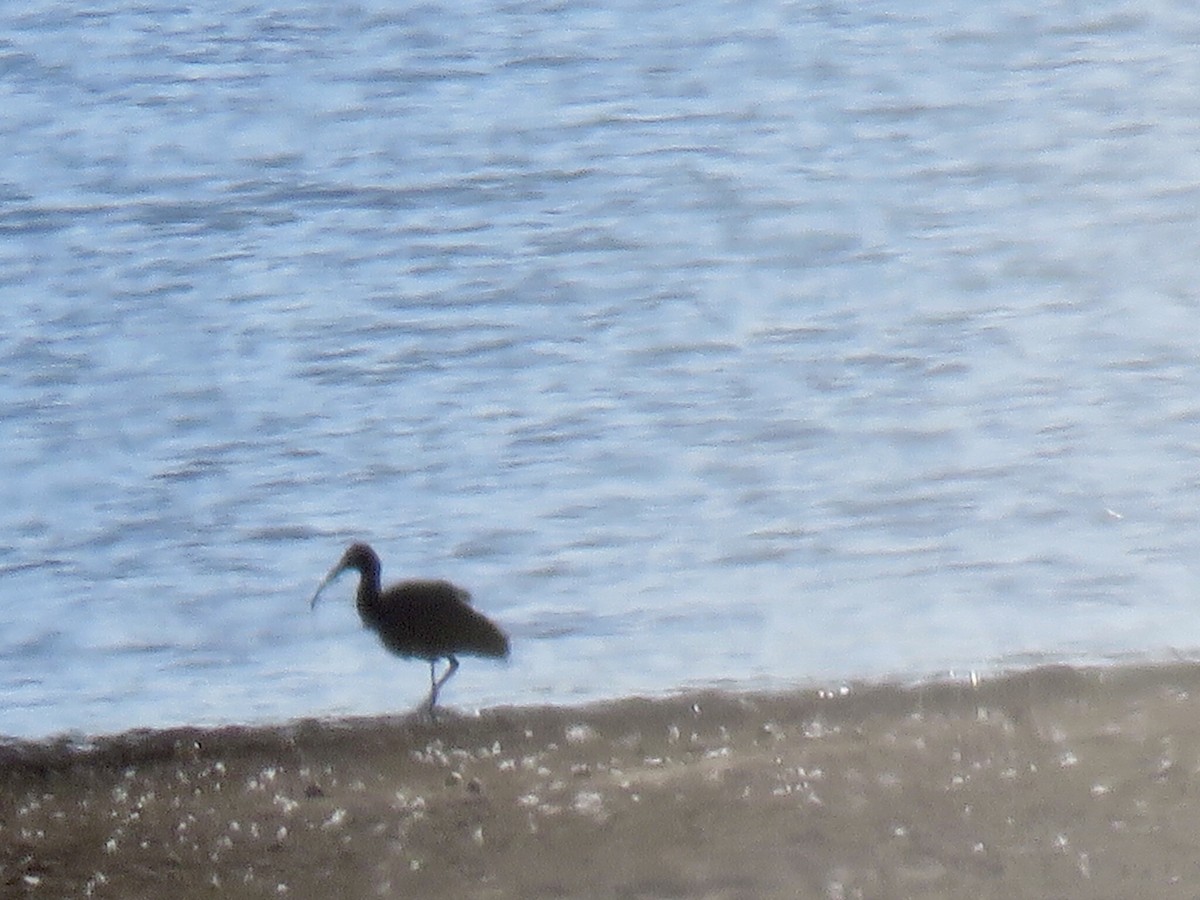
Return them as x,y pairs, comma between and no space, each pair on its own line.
1048,683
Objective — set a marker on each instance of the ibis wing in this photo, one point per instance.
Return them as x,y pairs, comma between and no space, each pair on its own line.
431,619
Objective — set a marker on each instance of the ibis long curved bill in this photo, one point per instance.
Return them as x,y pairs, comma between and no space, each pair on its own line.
325,582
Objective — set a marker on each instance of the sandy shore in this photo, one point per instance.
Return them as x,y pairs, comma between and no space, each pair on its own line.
1053,783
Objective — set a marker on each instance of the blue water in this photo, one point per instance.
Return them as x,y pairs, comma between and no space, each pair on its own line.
746,344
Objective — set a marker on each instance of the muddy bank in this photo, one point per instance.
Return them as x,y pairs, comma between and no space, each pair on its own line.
1052,783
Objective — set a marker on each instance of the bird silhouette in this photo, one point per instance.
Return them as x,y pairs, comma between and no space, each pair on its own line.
423,618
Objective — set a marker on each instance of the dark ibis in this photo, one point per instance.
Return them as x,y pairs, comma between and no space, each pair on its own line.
424,618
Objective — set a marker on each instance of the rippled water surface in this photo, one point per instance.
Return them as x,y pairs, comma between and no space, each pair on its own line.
707,343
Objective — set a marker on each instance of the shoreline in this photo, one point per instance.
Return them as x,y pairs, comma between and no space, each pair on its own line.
82,742
1055,781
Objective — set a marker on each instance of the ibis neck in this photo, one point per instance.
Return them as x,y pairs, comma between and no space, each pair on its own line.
367,598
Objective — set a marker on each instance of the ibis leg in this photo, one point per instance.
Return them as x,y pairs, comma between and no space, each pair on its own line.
436,683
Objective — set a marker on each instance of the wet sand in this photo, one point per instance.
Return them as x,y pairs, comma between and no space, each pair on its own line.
1053,783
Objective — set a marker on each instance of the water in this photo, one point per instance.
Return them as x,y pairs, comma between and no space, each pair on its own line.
745,344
